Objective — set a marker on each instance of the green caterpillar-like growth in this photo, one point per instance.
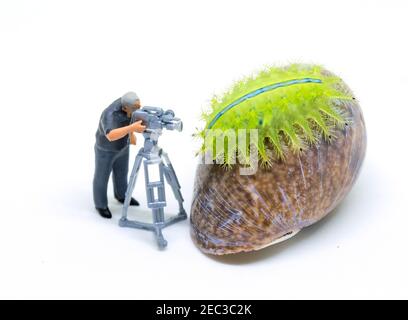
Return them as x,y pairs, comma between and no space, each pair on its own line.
288,118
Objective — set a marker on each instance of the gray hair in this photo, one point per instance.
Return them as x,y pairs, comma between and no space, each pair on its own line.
129,99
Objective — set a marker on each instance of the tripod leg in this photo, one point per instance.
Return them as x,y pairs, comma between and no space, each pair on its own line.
172,180
158,219
156,197
161,242
131,184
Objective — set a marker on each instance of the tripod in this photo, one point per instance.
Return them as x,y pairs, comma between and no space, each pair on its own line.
154,156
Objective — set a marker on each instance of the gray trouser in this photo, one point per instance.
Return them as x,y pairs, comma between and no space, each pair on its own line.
105,163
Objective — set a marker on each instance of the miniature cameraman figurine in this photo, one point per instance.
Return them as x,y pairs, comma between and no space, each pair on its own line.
113,136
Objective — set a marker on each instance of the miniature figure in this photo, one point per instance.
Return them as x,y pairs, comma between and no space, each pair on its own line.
115,133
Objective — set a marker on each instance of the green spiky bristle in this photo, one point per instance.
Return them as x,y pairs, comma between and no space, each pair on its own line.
290,117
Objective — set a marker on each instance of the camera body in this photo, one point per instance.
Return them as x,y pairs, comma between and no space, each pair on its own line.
155,118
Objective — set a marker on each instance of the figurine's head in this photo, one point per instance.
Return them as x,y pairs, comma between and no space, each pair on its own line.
130,103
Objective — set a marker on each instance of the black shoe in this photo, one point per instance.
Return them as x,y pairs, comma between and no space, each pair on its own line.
133,201
104,213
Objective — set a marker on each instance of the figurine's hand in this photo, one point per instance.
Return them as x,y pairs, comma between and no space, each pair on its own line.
137,127
132,138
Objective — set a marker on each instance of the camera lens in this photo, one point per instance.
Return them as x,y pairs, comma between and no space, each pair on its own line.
180,126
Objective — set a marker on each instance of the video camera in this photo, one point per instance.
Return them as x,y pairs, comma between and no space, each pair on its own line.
156,118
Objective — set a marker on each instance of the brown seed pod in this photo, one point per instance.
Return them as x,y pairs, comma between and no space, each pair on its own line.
238,213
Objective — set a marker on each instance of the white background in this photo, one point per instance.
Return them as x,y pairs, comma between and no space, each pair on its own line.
63,62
